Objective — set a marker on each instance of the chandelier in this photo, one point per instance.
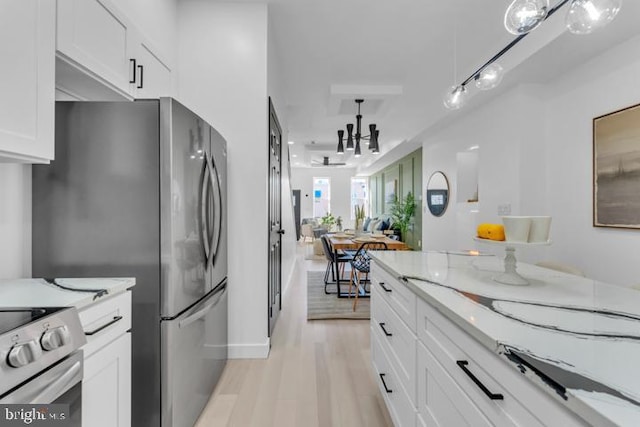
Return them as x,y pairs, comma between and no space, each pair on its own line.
371,139
522,16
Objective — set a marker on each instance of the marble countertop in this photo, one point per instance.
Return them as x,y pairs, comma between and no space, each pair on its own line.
583,334
78,293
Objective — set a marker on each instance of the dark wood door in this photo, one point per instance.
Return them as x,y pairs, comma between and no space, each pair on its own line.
275,218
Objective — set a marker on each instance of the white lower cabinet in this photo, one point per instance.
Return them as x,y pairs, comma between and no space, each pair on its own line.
105,395
441,402
436,374
106,386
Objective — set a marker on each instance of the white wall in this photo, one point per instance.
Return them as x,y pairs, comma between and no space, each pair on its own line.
601,86
340,190
275,88
222,57
15,221
536,154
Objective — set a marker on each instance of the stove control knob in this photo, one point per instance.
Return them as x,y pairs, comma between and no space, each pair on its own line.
23,354
55,338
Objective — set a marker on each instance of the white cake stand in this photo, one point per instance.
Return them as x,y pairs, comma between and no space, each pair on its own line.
510,275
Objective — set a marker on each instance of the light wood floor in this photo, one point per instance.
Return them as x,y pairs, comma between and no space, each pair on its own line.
318,373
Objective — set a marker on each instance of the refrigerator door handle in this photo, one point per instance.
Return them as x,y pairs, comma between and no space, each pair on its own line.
210,185
202,312
204,229
218,206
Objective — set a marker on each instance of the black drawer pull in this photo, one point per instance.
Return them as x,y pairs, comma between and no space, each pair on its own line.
385,384
133,63
384,287
106,325
493,396
384,330
141,84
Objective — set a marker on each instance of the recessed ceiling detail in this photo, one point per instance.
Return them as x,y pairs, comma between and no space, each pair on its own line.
377,99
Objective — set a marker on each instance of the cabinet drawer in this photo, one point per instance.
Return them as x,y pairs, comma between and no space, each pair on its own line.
105,321
399,404
441,401
398,341
395,293
447,343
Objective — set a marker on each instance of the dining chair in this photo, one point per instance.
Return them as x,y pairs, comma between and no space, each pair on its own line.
333,259
361,266
307,232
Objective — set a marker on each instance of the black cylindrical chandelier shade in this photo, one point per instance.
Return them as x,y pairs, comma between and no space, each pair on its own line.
374,147
340,143
357,153
350,137
372,136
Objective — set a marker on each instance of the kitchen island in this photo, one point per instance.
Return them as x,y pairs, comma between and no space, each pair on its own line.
563,350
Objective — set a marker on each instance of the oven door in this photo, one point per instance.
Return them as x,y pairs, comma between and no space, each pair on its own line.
60,384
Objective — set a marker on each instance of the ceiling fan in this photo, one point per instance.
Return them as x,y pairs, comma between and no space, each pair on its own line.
326,162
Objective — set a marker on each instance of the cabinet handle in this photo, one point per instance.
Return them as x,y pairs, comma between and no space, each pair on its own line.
493,396
106,325
387,389
132,61
384,330
141,68
384,287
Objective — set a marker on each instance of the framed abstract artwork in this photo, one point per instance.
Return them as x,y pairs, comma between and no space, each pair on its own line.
616,169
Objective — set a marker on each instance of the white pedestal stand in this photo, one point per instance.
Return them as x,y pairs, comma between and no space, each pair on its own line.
510,275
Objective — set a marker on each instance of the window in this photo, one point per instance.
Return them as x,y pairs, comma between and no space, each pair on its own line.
321,197
359,195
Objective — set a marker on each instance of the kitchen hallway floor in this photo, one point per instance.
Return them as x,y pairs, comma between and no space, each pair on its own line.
318,372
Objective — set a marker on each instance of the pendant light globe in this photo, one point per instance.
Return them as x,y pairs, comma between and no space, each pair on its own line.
523,16
586,16
489,77
455,97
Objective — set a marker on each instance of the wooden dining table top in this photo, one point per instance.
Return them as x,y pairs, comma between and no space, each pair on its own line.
355,242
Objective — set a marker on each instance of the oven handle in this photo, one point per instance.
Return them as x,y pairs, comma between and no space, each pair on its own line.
54,389
48,386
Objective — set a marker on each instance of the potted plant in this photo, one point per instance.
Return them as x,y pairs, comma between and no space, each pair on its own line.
359,213
402,211
328,221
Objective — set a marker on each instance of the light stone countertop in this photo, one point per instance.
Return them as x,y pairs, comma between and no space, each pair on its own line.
583,334
77,292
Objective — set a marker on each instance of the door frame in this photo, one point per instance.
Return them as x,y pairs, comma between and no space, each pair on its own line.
273,118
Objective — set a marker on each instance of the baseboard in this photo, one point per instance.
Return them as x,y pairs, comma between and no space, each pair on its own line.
249,351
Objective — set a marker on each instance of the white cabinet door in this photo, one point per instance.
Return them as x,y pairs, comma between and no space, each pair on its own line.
27,82
106,387
94,35
153,74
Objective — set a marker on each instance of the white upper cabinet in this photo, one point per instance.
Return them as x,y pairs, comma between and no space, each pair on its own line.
153,74
98,43
94,35
27,83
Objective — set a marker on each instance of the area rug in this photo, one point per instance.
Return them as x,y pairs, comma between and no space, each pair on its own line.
323,306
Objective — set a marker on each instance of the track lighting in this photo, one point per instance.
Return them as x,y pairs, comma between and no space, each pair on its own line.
522,16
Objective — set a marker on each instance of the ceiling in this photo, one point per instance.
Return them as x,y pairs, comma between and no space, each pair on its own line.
400,56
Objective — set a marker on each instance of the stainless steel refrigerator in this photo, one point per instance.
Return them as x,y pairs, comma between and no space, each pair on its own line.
138,189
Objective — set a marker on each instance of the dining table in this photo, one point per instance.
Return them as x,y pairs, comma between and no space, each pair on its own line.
341,242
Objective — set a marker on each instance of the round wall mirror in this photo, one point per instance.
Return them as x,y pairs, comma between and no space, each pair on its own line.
437,193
